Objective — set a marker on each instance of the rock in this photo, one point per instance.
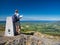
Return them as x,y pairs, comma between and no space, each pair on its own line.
38,34
51,37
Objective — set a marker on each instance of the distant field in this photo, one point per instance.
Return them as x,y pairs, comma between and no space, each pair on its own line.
51,28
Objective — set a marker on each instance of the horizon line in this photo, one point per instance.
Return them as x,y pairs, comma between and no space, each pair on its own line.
36,20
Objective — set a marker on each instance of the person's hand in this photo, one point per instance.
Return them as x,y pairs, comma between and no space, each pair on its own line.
21,16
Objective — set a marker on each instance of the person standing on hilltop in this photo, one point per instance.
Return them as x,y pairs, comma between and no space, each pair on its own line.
16,22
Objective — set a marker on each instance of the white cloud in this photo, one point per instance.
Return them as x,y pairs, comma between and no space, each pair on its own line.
39,18
34,18
2,18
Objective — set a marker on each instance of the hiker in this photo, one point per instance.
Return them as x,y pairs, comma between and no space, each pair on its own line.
16,22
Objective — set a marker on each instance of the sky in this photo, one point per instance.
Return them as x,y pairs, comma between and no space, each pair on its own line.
31,9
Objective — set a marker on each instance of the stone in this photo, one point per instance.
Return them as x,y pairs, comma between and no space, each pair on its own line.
9,30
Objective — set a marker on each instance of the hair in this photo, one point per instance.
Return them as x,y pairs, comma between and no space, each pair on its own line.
16,11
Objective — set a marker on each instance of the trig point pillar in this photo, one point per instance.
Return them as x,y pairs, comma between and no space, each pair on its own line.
9,29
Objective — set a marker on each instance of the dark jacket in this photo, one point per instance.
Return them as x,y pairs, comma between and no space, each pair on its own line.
15,18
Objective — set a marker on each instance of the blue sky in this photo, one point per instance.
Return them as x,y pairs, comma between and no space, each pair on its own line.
31,9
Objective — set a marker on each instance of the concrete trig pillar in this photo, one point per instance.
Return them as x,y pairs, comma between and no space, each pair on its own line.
9,29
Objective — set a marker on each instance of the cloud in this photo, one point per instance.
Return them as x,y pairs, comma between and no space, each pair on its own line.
34,18
2,19
39,18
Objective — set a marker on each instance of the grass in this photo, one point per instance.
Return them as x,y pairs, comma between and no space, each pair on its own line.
50,28
53,33
46,28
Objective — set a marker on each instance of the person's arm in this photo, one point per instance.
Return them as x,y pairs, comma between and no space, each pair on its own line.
20,16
